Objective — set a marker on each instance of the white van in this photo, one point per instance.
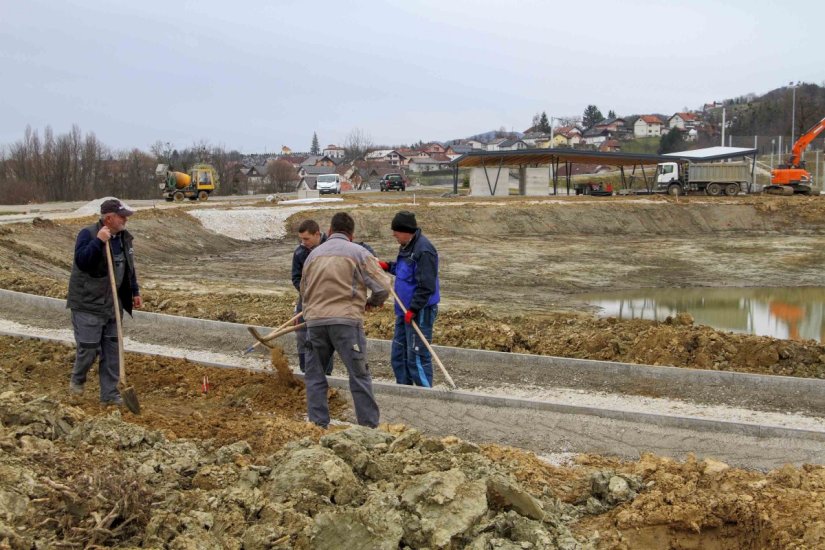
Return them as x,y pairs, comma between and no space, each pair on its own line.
328,183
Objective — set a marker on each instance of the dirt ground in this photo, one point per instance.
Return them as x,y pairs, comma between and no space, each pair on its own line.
511,274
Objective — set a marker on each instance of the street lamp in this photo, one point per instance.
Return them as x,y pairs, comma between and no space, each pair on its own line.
793,107
773,142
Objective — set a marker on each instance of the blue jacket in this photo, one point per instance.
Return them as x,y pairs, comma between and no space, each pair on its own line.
416,274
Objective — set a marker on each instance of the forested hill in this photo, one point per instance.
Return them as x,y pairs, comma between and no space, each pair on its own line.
770,114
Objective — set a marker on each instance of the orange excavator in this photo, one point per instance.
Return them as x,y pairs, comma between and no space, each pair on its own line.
792,177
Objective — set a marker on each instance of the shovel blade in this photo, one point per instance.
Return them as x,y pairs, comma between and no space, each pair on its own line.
130,399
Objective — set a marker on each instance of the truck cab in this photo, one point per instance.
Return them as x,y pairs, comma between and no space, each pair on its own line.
668,178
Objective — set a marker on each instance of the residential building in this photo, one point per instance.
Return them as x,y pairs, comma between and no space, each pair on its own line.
388,155
647,126
683,121
334,152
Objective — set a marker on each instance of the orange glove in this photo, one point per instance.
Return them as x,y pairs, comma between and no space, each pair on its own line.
408,317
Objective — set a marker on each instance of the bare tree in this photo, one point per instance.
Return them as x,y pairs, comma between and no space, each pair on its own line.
282,176
357,143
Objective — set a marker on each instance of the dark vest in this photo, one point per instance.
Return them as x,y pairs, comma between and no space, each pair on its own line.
91,291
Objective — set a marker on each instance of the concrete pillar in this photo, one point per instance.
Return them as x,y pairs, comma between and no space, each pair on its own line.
479,181
537,182
522,180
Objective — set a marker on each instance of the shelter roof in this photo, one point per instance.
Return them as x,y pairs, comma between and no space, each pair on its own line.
549,156
713,153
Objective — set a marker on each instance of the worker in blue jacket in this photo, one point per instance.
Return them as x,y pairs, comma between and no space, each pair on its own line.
417,286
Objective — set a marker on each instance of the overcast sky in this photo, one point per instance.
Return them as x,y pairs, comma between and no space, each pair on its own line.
254,76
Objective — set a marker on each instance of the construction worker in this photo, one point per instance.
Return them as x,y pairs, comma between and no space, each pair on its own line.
417,286
310,236
90,297
337,275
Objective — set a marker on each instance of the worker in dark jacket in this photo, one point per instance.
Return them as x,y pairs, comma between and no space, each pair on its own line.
90,297
309,232
417,286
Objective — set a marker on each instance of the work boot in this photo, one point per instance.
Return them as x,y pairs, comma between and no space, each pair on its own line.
118,401
75,389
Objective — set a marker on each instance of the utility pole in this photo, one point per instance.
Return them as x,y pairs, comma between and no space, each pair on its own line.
723,127
793,107
773,143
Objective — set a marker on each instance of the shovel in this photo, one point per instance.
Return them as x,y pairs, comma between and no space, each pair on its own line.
423,339
271,335
127,393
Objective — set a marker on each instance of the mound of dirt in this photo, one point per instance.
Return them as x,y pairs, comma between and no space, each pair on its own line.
234,468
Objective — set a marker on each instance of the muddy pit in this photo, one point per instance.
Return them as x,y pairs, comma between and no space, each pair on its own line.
238,466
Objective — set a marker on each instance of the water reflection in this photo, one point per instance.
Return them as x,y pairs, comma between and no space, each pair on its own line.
790,313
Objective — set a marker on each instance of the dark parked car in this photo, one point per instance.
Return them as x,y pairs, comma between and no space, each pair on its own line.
393,181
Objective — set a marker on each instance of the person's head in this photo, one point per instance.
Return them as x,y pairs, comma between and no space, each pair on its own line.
310,233
404,227
342,223
114,213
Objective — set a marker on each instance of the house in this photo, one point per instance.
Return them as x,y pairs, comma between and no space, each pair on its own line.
647,126
388,155
428,164
512,145
334,152
434,148
285,150
610,146
456,150
316,160
615,125
371,171
596,136
567,135
477,145
532,138
683,121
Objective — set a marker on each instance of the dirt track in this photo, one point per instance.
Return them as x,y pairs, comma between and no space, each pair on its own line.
511,273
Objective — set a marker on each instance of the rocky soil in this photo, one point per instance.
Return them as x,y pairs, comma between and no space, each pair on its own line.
238,468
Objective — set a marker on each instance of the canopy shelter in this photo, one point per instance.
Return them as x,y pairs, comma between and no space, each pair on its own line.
492,163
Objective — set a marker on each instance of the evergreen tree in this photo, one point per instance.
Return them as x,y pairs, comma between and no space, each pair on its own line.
611,114
315,149
592,116
672,141
544,124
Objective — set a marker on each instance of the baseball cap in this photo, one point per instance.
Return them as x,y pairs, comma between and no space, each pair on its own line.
115,206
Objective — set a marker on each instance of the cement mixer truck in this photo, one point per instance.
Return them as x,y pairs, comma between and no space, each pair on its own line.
201,180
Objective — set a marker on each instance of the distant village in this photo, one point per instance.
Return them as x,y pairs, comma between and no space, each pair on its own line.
290,170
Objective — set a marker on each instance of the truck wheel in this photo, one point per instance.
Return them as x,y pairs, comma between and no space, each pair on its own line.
203,195
732,189
178,196
713,189
673,190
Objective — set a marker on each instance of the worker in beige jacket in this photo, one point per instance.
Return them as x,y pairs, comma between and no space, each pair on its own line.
334,284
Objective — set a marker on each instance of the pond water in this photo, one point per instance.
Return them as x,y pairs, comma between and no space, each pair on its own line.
788,313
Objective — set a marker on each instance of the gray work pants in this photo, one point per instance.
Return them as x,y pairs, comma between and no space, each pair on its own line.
96,335
351,345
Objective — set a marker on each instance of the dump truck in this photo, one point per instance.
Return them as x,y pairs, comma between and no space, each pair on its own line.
713,178
197,184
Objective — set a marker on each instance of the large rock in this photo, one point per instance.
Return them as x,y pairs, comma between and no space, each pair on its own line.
509,495
374,526
441,505
316,470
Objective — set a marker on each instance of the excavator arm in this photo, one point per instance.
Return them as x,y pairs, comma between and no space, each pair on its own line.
803,142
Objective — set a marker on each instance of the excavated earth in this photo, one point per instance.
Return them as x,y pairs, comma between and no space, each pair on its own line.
238,467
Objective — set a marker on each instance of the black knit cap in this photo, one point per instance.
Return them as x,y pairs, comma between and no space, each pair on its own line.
404,222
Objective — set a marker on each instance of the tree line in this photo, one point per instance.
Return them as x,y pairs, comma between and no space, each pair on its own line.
73,166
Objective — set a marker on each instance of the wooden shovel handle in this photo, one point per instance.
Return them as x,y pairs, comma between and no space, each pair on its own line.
118,322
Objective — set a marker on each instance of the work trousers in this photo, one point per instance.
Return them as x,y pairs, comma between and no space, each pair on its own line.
351,345
410,359
96,335
300,343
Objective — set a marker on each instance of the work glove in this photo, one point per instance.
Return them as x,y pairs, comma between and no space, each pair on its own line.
384,265
408,317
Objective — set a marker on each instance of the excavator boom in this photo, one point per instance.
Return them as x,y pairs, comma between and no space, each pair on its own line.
802,143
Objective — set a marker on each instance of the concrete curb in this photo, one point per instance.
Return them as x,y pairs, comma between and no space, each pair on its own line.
513,403
792,393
